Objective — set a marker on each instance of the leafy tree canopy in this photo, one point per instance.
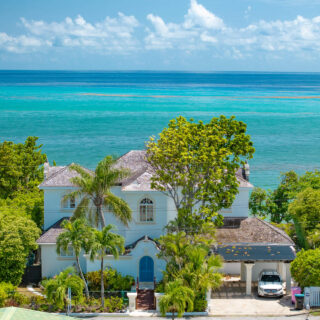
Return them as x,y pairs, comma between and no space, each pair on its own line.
195,164
25,204
274,204
305,268
20,166
17,239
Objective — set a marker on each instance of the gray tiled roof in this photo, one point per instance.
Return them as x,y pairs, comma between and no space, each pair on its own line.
140,179
60,177
251,230
134,160
52,233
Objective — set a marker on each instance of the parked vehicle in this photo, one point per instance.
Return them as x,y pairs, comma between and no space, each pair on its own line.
270,284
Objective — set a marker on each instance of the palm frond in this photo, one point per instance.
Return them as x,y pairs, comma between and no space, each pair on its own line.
118,207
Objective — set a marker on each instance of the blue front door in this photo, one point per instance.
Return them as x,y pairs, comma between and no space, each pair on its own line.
146,271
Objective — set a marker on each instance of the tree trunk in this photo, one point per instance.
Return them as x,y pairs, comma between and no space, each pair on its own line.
101,216
83,279
102,284
172,315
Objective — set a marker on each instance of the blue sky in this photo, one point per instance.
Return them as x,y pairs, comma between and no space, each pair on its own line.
199,35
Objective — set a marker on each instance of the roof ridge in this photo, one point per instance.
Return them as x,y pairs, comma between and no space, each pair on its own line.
129,152
279,231
56,173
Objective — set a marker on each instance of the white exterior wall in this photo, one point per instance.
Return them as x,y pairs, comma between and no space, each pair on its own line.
231,268
129,264
53,210
240,206
52,263
164,212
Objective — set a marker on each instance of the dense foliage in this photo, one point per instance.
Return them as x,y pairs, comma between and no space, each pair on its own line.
20,174
195,165
17,239
94,192
177,299
20,167
113,280
56,289
305,269
293,205
188,259
6,290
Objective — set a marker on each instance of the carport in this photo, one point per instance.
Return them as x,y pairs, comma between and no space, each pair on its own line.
249,245
255,258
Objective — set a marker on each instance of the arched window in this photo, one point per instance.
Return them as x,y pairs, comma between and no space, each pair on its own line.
146,210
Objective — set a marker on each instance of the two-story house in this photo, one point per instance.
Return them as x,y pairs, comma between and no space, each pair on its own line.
247,244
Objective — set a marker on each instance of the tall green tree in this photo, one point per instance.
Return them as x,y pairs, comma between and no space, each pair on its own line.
79,235
17,239
305,212
305,268
20,166
274,204
56,289
177,299
94,192
105,242
195,165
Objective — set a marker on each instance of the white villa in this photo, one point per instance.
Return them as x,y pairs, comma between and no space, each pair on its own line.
247,244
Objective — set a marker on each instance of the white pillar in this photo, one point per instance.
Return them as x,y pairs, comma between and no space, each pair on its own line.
288,277
158,298
249,267
242,271
132,296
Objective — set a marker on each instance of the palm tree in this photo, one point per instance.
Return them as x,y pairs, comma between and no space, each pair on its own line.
177,299
106,242
95,194
201,272
56,289
79,235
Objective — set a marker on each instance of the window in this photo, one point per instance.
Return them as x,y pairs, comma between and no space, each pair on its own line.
67,254
69,203
146,210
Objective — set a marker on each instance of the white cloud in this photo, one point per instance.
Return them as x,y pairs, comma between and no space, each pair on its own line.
109,35
201,29
198,15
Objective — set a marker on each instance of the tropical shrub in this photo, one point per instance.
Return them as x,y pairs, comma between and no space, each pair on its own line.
113,280
56,289
305,268
113,304
177,299
6,291
17,239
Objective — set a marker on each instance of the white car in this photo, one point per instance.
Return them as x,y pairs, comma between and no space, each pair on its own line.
270,284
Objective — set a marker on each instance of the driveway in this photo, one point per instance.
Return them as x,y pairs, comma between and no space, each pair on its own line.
231,300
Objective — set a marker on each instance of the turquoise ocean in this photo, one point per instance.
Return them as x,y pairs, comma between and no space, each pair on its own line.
83,116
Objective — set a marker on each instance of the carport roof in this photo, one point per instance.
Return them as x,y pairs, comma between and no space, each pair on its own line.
251,253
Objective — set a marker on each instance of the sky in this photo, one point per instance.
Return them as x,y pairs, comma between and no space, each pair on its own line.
182,35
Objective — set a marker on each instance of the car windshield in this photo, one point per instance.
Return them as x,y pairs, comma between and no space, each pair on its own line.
270,278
